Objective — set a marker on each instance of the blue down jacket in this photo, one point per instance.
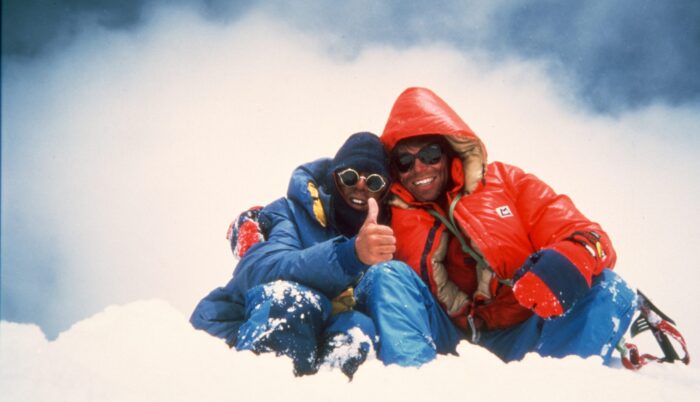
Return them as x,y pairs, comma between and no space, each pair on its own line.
302,246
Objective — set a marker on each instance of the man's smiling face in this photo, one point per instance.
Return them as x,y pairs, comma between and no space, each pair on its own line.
425,181
357,194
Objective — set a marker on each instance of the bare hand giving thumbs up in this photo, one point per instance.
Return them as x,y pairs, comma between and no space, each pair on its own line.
375,243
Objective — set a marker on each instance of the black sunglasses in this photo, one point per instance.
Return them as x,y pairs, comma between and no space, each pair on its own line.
429,155
349,178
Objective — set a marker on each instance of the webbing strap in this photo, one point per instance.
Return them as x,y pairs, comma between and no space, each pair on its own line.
452,227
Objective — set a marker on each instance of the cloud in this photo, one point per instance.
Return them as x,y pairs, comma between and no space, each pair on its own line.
621,55
614,56
146,351
32,26
125,156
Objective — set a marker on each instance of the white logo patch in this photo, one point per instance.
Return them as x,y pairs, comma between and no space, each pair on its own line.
504,212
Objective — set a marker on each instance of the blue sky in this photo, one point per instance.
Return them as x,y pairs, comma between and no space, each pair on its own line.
132,131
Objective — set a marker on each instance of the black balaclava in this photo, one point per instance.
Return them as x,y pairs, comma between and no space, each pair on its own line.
364,153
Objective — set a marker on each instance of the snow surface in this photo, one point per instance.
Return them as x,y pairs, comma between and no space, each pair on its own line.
147,351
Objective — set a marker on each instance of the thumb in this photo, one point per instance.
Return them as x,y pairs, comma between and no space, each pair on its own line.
372,211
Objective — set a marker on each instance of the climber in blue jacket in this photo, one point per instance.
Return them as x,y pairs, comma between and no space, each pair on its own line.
292,293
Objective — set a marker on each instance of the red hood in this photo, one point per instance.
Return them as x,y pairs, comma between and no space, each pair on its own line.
419,111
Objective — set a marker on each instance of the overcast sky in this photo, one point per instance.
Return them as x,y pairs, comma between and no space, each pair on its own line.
617,55
132,131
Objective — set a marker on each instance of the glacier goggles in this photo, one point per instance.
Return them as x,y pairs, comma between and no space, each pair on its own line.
429,155
374,182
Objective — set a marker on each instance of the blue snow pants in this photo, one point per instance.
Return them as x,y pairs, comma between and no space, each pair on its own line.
593,326
413,328
393,306
294,320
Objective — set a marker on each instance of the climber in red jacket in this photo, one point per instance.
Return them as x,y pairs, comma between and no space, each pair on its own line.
515,265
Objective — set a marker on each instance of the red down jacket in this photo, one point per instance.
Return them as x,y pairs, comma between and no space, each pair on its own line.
504,213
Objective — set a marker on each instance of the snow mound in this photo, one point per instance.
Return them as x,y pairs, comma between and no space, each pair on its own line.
147,350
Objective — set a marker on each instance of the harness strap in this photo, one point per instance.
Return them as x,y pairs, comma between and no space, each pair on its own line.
452,227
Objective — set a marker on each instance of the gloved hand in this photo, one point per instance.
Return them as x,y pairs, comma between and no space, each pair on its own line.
344,301
549,284
249,228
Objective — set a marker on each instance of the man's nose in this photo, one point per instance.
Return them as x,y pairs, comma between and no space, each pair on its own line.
419,166
362,184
